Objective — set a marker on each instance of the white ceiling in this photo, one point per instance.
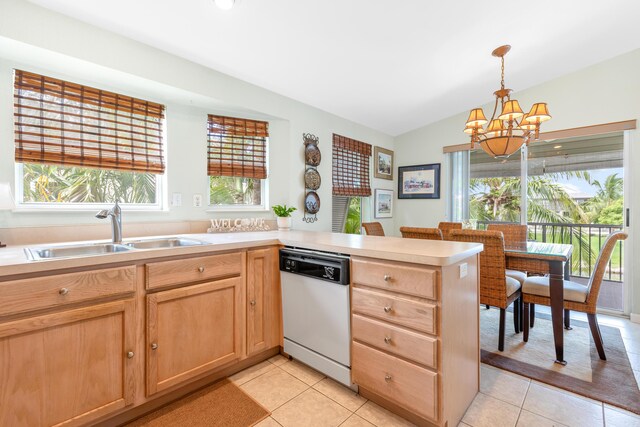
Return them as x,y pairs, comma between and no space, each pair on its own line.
392,65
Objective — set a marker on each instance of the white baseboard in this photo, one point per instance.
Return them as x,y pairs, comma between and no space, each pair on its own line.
635,318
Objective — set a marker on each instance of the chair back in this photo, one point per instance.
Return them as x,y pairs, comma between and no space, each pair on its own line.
514,234
373,228
446,227
493,282
595,281
421,233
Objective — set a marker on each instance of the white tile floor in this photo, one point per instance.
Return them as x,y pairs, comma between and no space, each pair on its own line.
299,396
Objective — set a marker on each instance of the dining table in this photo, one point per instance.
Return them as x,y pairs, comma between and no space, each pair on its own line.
554,260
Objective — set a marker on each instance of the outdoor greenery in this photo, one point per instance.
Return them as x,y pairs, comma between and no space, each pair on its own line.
498,199
354,217
229,190
50,183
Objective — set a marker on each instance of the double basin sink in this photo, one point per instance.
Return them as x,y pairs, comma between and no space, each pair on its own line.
91,249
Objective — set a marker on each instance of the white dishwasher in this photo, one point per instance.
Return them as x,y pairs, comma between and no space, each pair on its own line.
316,310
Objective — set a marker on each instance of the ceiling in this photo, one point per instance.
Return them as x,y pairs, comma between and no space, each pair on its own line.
392,65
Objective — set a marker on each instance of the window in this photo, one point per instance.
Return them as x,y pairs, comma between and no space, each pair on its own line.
350,182
77,145
237,162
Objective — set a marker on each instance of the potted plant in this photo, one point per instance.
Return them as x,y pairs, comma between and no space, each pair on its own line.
284,216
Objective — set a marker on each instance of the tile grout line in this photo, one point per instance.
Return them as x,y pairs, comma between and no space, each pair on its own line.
522,404
333,400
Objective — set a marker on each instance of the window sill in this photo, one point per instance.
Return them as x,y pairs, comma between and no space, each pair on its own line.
217,209
87,208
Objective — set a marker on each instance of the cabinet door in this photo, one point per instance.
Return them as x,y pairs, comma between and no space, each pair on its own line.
263,300
67,368
192,330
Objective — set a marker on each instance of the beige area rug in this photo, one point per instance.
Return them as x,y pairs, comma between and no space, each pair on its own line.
611,381
222,404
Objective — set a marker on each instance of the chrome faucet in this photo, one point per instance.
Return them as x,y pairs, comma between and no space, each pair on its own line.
116,221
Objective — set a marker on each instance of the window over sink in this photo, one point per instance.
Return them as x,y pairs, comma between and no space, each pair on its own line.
78,146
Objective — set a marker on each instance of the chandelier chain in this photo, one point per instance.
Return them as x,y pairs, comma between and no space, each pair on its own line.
502,73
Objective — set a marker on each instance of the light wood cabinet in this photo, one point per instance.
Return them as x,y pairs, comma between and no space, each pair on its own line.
67,368
415,345
192,330
263,300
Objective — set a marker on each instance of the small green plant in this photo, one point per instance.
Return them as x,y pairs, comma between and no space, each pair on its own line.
282,210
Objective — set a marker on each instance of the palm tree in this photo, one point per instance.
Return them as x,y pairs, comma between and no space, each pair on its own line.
498,199
609,192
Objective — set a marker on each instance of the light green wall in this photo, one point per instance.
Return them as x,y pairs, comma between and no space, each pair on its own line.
47,42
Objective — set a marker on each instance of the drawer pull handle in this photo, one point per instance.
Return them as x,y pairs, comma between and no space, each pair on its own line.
387,378
201,269
252,302
154,346
63,291
130,355
387,278
387,340
387,309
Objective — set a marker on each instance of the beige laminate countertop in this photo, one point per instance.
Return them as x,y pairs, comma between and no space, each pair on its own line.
13,260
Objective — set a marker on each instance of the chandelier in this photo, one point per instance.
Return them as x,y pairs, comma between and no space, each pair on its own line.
505,134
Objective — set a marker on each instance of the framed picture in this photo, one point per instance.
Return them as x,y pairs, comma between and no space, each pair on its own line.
383,203
383,163
419,182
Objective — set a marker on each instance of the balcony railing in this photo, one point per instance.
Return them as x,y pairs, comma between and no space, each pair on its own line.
587,239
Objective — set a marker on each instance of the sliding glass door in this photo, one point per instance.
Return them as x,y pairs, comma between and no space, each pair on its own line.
567,191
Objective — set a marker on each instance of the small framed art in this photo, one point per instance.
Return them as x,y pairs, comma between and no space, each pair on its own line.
383,163
419,182
383,203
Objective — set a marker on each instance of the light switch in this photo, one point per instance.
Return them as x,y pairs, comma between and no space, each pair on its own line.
197,200
176,200
463,270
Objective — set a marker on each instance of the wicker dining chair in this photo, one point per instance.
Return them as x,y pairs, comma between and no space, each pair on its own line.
446,228
496,288
421,233
514,235
577,297
373,228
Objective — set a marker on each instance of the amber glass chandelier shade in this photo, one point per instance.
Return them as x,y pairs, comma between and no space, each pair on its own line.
502,146
469,129
539,113
495,128
511,110
476,118
525,124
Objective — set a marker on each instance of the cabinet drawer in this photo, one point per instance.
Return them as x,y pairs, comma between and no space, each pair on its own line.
412,314
167,273
407,344
50,291
404,383
410,279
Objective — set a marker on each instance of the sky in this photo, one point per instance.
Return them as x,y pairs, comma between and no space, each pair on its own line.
584,187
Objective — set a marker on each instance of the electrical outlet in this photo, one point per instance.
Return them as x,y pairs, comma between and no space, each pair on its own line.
197,200
176,199
463,270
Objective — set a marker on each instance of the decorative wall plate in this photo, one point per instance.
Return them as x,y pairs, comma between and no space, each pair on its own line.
312,202
312,179
312,155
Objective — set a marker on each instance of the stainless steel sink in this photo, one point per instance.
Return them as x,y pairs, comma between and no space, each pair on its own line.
90,249
170,242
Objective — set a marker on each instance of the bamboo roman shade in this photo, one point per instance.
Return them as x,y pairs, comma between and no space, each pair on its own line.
62,123
237,147
350,167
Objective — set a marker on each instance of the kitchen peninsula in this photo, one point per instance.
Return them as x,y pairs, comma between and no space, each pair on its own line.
131,322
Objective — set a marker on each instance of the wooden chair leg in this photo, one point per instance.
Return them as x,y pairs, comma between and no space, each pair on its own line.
503,315
516,316
521,313
487,306
567,319
525,334
595,332
532,315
